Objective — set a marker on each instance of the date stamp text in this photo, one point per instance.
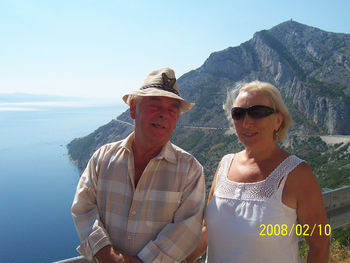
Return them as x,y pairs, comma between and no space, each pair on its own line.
298,229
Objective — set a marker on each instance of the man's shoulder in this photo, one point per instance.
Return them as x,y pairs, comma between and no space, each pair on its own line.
184,154
110,147
179,150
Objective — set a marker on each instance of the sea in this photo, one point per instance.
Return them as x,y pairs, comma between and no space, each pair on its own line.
37,178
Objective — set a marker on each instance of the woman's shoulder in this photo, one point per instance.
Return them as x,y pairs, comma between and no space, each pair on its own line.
297,165
227,157
301,174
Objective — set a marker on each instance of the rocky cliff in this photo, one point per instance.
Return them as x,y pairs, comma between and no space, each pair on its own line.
311,68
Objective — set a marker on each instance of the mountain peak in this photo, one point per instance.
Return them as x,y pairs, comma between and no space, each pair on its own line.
291,24
310,67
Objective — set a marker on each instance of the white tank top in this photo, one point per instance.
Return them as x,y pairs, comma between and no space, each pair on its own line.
238,212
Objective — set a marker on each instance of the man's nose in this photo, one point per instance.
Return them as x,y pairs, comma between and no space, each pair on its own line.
162,113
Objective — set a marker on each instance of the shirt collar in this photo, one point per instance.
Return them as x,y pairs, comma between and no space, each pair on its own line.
127,142
167,152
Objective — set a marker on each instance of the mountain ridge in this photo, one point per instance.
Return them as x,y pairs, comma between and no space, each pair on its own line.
309,66
267,59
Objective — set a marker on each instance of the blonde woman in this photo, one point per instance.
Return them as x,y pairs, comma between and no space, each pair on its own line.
262,197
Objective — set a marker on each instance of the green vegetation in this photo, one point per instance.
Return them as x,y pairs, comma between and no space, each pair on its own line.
208,110
323,89
330,164
342,235
192,140
339,249
301,121
208,146
81,149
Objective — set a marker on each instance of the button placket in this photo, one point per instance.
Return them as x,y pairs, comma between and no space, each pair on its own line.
132,224
239,190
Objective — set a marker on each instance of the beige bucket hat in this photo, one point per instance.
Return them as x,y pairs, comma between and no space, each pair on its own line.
160,83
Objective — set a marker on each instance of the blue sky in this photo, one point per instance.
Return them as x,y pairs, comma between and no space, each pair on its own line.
90,48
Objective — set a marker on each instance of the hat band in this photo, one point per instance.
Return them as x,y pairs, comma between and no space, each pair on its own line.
162,87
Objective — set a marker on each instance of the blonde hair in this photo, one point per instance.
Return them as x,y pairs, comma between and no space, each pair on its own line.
277,104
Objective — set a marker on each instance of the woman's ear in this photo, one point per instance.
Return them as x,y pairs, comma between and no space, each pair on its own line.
279,121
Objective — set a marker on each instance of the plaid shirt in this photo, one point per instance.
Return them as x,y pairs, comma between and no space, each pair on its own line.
159,220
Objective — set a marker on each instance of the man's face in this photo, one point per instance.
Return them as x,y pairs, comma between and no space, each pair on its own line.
155,119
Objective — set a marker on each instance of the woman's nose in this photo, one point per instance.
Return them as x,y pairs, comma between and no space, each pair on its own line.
247,121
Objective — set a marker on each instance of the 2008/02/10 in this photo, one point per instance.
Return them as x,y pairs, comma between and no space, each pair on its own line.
305,230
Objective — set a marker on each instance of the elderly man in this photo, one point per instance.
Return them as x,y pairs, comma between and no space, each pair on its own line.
141,199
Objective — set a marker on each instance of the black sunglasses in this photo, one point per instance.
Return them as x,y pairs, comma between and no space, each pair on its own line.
255,112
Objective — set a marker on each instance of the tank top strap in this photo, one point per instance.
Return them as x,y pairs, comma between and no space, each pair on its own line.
280,174
223,169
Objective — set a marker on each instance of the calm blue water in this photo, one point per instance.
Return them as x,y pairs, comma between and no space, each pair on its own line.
37,180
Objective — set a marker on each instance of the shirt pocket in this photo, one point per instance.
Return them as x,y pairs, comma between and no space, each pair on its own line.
162,205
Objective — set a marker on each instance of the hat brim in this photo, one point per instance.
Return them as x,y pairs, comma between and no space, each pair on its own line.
185,106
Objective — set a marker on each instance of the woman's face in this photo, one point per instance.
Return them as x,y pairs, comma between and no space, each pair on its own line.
254,132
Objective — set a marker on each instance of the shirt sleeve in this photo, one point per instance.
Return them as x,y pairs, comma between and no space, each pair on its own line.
179,238
91,231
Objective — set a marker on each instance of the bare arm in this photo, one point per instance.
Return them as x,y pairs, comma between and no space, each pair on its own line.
310,211
202,245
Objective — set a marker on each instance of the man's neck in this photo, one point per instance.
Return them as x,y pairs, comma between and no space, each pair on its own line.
144,151
142,156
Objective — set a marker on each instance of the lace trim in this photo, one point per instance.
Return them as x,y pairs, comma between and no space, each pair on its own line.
259,191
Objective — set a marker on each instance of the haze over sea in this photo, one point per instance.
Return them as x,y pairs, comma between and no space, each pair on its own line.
37,179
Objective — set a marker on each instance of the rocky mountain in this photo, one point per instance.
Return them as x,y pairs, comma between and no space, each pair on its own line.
311,68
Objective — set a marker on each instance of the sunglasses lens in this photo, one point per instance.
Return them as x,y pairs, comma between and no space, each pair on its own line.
237,113
255,112
258,112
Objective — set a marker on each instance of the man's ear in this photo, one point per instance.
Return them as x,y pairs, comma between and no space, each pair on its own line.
132,109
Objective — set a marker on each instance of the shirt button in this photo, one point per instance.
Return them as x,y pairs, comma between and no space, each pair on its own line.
133,212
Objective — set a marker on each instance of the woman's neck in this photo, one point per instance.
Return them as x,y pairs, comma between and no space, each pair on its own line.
259,154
